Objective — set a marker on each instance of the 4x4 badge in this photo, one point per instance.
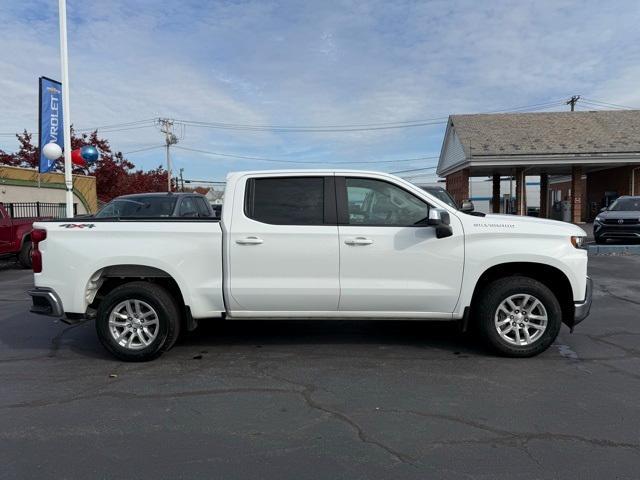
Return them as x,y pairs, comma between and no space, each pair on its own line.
78,225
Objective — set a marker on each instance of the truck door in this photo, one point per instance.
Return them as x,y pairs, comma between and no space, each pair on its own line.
389,260
283,246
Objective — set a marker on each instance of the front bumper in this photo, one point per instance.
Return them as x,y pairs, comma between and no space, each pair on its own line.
613,231
46,302
582,309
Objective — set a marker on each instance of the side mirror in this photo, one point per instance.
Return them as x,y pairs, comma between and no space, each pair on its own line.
440,219
467,206
603,209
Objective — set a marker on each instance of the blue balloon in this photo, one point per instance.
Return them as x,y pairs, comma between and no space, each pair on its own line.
89,153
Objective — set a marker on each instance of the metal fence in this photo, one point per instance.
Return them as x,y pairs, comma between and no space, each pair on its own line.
38,209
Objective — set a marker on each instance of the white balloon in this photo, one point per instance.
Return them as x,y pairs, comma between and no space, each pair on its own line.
52,151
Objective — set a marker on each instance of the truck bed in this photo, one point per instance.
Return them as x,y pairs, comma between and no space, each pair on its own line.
191,254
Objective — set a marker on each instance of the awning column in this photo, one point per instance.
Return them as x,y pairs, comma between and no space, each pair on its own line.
544,195
458,185
495,197
521,192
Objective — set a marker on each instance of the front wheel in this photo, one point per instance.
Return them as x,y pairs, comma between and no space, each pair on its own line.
138,321
519,316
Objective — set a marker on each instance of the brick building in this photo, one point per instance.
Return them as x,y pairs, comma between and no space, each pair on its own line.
598,152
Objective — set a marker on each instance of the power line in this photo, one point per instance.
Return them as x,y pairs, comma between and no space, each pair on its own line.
531,107
152,121
357,127
144,149
314,162
605,104
415,169
351,127
133,127
294,129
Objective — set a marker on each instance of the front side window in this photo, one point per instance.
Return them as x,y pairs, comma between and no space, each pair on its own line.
379,203
286,200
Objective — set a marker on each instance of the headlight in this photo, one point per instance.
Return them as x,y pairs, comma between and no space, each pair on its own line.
598,219
577,242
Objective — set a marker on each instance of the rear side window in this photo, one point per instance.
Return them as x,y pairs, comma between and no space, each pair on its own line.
188,207
286,200
203,209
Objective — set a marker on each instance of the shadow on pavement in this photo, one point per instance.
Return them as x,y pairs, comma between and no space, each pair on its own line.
45,337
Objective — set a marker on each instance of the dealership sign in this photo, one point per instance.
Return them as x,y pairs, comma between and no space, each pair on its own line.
50,115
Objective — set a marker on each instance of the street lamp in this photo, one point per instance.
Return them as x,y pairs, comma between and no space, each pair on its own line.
64,65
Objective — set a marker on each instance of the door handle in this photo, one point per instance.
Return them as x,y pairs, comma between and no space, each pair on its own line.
249,241
359,241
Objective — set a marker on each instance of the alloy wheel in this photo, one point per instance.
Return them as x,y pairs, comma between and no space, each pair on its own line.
133,324
521,319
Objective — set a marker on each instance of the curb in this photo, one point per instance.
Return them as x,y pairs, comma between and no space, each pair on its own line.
613,249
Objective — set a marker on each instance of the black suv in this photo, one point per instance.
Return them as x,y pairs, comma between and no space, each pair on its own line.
619,221
157,205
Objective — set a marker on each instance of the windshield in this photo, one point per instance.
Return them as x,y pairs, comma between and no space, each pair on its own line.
629,204
442,195
149,206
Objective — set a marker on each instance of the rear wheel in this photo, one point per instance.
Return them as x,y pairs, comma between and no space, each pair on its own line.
519,316
24,257
138,321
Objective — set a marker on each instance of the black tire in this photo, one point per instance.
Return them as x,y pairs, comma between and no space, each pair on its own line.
600,241
166,310
24,257
498,291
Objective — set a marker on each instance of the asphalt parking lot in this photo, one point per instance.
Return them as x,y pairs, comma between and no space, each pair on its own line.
324,399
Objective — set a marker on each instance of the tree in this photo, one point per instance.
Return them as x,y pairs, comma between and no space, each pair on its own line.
26,156
115,175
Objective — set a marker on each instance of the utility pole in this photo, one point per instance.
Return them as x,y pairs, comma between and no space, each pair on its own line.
166,127
572,101
181,180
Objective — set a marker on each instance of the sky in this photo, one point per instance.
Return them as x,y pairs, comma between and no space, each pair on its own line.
310,64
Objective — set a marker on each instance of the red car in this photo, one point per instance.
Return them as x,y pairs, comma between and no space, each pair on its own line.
15,235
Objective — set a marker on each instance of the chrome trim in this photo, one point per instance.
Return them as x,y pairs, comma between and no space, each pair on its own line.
619,234
55,305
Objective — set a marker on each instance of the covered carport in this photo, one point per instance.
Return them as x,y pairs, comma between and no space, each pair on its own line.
604,146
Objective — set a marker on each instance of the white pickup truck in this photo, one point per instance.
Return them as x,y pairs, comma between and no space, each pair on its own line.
314,244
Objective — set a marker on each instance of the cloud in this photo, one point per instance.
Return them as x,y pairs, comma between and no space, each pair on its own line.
312,63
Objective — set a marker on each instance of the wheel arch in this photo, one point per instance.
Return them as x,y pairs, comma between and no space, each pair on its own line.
26,236
552,277
107,278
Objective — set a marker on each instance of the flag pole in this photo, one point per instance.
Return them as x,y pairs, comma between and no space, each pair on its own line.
66,117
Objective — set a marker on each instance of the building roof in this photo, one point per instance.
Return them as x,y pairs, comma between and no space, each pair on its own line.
538,135
615,131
